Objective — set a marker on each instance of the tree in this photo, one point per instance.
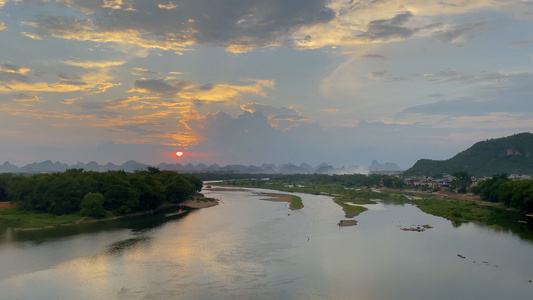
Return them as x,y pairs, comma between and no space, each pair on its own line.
151,192
5,179
92,205
120,196
461,182
488,189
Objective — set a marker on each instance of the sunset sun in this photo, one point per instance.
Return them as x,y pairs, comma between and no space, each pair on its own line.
179,153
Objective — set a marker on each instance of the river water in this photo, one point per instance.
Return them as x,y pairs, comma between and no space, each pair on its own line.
246,248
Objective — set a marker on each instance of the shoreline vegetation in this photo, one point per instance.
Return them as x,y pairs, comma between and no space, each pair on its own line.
31,220
77,196
456,207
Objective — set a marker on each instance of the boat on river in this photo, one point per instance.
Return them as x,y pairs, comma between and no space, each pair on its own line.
178,212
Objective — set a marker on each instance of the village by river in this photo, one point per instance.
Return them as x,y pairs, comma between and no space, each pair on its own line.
248,248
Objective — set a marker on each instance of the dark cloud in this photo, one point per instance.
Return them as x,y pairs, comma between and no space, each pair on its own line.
206,87
377,75
370,56
249,137
138,130
67,77
11,67
436,95
458,32
10,77
288,117
450,76
91,105
72,82
521,43
283,118
223,23
386,29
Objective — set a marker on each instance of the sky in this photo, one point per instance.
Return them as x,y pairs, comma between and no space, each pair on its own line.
261,81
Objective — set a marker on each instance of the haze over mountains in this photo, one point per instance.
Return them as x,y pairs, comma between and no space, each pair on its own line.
512,154
131,166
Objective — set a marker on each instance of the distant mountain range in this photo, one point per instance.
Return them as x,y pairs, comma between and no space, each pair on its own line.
510,155
131,166
386,167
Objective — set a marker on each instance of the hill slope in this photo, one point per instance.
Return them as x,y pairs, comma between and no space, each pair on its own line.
512,154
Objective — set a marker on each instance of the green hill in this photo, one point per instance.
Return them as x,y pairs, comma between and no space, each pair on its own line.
513,154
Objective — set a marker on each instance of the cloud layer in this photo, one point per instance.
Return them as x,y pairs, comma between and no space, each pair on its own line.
234,81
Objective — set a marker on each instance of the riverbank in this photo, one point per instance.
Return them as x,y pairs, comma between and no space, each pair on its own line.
199,203
28,221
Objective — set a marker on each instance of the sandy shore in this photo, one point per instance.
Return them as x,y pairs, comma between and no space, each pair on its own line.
199,203
225,189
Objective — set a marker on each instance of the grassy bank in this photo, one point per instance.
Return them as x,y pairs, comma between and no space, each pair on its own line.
13,217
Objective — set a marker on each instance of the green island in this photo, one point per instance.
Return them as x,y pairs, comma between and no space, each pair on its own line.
76,196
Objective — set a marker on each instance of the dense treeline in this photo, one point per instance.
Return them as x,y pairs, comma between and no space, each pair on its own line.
499,188
348,180
207,176
97,194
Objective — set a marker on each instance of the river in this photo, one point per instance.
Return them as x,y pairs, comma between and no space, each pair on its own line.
247,248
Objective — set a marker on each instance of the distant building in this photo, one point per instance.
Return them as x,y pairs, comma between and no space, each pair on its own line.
386,172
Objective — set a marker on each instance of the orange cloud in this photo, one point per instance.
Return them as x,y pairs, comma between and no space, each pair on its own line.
85,30
9,68
94,64
91,82
26,98
187,138
41,87
70,100
117,4
209,92
168,6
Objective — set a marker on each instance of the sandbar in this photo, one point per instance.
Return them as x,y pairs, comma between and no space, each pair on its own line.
277,197
199,203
